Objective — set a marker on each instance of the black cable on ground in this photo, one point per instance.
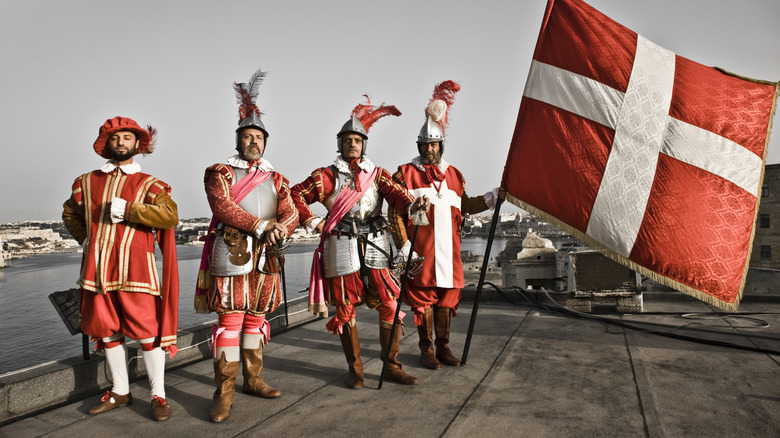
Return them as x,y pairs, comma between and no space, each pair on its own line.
637,326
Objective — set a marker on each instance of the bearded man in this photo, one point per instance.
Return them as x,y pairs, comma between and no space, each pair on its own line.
115,212
351,265
239,276
434,293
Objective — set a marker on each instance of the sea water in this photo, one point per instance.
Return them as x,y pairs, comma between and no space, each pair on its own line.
32,332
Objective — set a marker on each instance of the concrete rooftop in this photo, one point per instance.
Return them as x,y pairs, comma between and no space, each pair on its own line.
531,372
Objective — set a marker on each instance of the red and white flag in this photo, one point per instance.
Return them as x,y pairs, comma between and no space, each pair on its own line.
650,157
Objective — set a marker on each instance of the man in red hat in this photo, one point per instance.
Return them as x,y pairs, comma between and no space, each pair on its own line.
239,277
351,265
434,293
114,213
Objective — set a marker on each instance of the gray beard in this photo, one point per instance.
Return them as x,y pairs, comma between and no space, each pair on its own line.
252,155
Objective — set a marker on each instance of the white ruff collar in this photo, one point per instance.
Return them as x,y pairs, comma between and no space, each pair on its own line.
343,167
128,169
236,161
417,161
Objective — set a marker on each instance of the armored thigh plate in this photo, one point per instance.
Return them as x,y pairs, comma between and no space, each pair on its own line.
228,260
340,255
374,258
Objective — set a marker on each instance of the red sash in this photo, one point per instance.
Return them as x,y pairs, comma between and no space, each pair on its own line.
346,199
242,187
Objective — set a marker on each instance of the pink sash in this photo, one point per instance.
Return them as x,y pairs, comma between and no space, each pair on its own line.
241,188
346,199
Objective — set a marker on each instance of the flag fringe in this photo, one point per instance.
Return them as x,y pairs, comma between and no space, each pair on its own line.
745,78
201,304
699,295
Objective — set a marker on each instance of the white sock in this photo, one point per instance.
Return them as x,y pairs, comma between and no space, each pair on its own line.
155,369
116,358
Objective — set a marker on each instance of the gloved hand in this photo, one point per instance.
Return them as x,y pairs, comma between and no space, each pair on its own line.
118,210
404,251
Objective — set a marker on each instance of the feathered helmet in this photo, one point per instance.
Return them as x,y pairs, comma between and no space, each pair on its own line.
437,113
146,137
248,112
364,115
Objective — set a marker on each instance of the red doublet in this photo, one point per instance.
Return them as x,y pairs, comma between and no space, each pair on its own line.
441,279
121,289
438,242
348,290
254,293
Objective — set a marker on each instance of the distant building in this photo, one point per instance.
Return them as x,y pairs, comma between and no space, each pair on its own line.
766,244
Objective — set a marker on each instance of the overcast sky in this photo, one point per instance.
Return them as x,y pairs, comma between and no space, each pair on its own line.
69,65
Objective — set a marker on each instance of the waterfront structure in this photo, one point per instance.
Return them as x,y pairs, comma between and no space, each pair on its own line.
28,240
3,254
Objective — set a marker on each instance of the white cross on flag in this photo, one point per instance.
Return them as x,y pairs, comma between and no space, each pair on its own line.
650,157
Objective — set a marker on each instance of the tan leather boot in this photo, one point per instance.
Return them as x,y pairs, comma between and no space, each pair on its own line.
225,377
441,324
253,366
394,371
351,345
425,331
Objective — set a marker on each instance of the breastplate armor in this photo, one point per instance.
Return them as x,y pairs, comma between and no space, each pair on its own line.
341,251
365,210
262,200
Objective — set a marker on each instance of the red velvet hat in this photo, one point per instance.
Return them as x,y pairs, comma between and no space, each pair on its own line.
146,137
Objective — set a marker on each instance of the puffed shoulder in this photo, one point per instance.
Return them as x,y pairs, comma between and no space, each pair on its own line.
225,170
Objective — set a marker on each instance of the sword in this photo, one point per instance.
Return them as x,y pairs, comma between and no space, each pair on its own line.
284,297
278,249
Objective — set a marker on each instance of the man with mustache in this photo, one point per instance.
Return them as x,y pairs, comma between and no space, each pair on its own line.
239,276
434,293
114,212
351,265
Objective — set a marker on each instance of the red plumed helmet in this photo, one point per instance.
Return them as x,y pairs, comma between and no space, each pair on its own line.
364,115
437,112
146,137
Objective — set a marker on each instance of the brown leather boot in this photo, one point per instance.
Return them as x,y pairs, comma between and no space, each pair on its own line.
394,371
225,377
253,366
425,331
441,324
351,345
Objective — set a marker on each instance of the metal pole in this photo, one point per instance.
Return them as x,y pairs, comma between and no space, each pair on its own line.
481,282
398,307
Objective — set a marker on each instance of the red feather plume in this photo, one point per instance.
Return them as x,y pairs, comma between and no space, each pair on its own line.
152,140
444,91
368,114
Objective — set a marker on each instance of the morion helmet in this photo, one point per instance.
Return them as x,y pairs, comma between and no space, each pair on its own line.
437,113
